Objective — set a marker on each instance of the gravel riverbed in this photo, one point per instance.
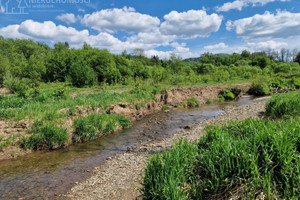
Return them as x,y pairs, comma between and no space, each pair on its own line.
121,176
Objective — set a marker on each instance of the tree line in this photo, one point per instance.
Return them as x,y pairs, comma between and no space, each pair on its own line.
26,63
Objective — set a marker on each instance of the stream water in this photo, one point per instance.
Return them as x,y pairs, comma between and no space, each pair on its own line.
45,175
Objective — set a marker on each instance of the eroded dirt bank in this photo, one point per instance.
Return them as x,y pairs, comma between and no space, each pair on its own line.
173,98
121,176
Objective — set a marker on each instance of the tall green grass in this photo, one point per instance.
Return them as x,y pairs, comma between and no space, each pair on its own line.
94,125
243,159
286,104
45,136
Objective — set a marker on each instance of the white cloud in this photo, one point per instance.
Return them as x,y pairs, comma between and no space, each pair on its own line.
81,10
267,26
182,52
240,4
154,38
267,45
50,31
216,46
68,18
12,31
125,19
190,24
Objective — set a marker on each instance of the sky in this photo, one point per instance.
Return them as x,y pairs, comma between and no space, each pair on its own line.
187,28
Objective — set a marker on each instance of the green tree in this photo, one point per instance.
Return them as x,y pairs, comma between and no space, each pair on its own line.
297,59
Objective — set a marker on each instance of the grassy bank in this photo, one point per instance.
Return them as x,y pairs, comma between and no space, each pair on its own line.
252,159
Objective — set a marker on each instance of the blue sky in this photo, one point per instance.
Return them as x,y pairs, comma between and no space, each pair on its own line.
187,28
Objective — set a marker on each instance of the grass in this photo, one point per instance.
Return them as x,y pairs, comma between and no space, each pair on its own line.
193,102
284,105
209,101
243,160
9,141
95,125
46,136
46,104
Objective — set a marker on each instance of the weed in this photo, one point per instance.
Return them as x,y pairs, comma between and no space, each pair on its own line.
209,101
193,102
165,107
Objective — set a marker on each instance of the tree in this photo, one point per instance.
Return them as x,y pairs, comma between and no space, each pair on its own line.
294,54
297,59
139,52
245,54
283,52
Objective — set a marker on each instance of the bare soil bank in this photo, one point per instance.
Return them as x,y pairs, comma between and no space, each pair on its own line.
121,176
173,98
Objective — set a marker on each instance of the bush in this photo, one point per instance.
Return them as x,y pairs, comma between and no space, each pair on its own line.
296,82
82,75
286,104
45,137
209,101
165,107
259,89
193,102
227,94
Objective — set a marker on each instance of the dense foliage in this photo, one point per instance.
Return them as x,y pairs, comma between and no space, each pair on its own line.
25,63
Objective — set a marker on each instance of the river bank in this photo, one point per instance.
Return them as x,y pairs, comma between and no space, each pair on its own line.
12,132
121,176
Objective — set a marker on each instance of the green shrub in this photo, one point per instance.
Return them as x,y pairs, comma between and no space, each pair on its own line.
45,137
296,82
259,89
227,94
193,102
165,107
17,85
82,75
286,104
209,101
95,125
236,91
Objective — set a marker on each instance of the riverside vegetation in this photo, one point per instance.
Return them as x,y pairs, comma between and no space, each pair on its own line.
47,86
251,159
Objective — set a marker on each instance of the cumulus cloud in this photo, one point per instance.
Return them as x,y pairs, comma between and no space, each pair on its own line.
12,31
267,45
68,18
283,24
125,19
190,24
180,51
153,38
50,31
240,4
216,46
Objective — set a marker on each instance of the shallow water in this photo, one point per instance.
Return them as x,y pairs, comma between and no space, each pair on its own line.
45,175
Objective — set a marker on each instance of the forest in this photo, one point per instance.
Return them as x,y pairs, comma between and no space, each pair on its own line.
25,64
